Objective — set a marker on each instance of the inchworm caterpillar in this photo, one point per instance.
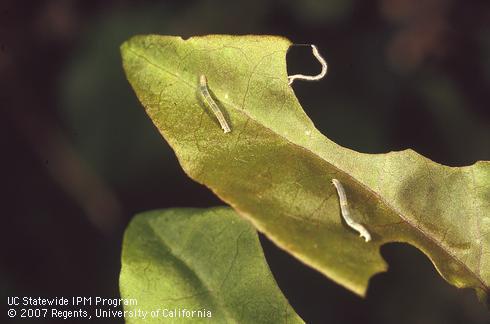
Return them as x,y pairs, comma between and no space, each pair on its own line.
320,59
344,208
203,87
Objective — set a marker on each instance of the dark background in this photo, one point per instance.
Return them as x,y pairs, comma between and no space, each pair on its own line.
80,157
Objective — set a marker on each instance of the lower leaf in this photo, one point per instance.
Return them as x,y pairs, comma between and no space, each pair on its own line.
192,265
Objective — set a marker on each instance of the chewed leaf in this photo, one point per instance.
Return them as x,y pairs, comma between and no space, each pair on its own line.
276,169
198,265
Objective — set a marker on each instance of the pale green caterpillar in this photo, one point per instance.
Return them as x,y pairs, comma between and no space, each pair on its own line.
203,87
344,208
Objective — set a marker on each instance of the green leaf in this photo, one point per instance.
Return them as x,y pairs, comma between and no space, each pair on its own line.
202,260
275,168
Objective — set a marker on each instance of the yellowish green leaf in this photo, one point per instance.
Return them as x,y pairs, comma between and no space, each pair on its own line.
275,168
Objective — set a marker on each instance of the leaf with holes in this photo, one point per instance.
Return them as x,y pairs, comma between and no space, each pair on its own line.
196,265
276,169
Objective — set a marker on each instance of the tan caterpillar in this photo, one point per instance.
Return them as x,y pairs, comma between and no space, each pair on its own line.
322,73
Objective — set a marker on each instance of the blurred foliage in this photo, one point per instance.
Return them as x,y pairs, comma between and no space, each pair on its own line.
106,122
